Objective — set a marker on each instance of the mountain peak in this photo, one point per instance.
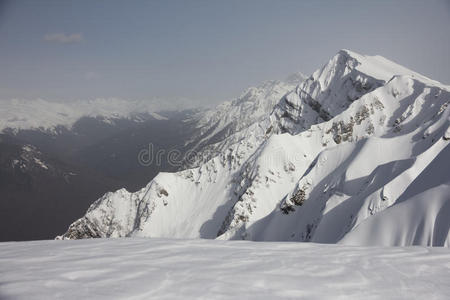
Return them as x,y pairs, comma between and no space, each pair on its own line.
380,67
350,53
295,78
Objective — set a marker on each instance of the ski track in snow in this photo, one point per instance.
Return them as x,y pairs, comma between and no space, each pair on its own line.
138,268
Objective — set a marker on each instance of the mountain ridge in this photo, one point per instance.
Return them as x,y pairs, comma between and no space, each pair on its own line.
282,185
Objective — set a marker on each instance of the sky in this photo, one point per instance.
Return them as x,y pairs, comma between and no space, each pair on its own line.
203,51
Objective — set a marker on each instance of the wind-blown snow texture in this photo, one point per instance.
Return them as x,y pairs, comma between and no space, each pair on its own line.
203,269
358,153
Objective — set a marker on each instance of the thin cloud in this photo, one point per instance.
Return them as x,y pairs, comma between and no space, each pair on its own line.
64,38
91,75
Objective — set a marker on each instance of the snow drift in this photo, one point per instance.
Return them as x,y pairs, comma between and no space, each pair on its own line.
136,268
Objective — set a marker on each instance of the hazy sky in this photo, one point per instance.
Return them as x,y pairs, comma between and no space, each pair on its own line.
206,50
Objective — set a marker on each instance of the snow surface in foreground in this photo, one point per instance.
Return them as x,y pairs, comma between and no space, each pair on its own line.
159,268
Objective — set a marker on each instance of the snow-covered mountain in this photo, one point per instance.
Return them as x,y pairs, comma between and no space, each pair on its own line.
357,154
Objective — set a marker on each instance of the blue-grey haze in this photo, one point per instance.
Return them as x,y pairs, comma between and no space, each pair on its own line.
208,51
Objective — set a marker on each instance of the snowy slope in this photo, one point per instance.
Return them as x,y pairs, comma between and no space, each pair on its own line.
41,114
420,215
204,269
337,153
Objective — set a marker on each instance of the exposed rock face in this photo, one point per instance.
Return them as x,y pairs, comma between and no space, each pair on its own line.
82,229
